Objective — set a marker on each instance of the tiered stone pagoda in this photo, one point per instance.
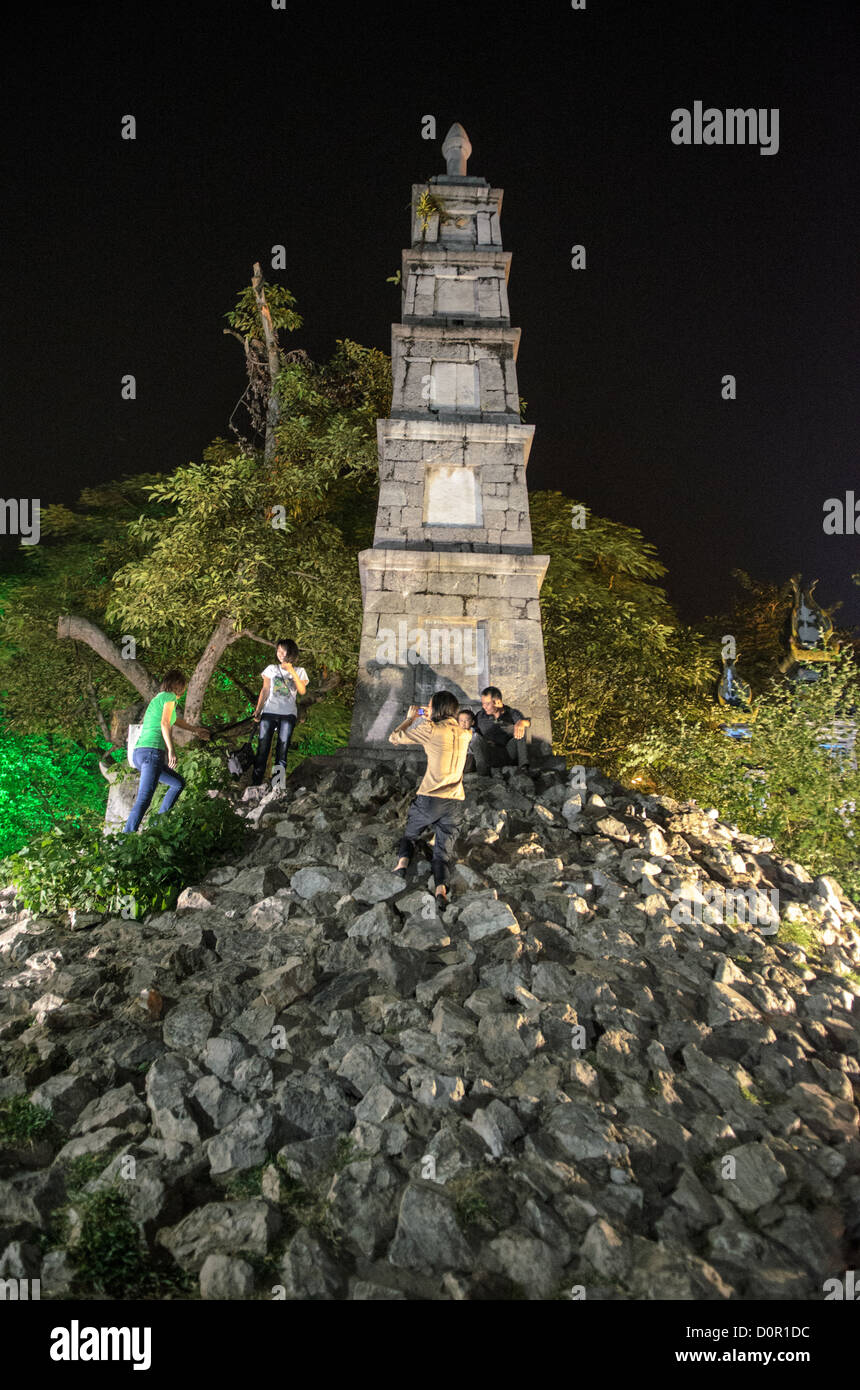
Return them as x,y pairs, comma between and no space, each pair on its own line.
450,587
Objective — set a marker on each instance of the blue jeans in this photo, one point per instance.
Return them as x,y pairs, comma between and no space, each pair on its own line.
284,723
442,814
152,765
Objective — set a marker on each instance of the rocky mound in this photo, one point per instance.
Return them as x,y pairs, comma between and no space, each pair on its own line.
565,1086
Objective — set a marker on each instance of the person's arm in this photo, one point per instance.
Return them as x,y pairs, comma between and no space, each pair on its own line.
199,729
261,699
520,723
301,685
166,732
411,730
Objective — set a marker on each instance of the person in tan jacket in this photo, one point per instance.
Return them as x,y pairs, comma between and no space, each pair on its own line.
439,802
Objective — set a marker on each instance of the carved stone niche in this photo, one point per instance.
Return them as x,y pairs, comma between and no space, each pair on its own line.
452,496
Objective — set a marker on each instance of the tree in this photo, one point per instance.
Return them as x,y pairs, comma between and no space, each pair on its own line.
189,564
618,659
262,312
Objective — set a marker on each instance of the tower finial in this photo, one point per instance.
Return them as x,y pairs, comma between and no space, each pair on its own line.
456,148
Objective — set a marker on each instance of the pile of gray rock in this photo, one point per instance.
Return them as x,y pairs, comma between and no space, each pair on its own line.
584,1080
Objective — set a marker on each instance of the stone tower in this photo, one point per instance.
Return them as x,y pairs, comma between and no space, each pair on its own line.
450,587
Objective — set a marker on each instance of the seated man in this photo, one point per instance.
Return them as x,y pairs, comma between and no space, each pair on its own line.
502,733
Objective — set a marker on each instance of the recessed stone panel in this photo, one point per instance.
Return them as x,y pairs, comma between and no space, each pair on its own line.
452,497
454,385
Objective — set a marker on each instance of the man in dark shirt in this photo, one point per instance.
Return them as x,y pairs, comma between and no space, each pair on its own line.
502,733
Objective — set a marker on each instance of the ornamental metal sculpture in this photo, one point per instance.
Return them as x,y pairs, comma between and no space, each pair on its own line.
808,636
734,694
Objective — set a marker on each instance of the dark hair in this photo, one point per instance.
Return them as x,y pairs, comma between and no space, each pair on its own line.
492,690
172,678
464,709
290,647
444,706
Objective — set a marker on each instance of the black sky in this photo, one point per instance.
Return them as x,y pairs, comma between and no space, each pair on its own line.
303,127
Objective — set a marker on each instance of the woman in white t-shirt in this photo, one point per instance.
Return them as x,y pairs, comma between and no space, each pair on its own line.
276,707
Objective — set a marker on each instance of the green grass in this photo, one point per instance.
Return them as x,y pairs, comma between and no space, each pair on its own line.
308,1205
471,1207
804,935
109,1257
24,1123
752,1097
80,1171
240,1186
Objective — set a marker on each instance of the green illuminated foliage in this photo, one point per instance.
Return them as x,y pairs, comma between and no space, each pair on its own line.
44,778
77,866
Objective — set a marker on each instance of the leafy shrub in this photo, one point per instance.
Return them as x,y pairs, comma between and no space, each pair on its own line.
108,1256
21,1122
77,866
780,783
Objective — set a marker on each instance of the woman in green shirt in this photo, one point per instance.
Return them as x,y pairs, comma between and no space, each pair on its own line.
154,754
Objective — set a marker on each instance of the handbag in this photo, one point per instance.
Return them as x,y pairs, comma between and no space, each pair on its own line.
133,736
239,761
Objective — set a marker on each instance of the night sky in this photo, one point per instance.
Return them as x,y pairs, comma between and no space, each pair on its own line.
303,127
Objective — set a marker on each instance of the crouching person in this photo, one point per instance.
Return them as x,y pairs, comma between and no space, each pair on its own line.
154,755
466,720
439,802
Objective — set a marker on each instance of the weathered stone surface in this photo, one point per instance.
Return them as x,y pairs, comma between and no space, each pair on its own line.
308,883
223,1277
65,1096
118,1107
758,1177
605,1251
308,1270
221,1228
378,885
488,918
187,1027
243,1143
669,1273
539,1089
428,1237
168,1084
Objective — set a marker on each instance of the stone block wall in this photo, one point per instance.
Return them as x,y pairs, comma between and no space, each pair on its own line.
413,457
424,357
411,595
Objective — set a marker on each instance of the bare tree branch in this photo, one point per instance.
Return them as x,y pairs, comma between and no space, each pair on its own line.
102,722
77,629
270,334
